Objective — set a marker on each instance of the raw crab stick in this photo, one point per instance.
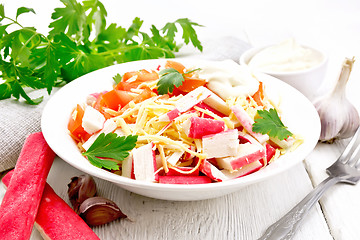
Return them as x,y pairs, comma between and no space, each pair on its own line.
22,198
108,127
192,98
247,122
186,102
174,158
247,153
145,163
93,120
184,179
222,144
128,167
55,219
245,170
197,127
212,172
183,171
217,103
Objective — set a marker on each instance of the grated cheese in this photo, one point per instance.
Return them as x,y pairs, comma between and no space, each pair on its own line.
191,171
167,140
149,84
111,112
198,145
163,159
120,122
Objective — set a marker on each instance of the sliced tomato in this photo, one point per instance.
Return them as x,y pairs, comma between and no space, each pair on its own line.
127,86
100,104
142,75
178,67
110,99
115,99
175,65
145,94
259,95
191,83
74,125
177,92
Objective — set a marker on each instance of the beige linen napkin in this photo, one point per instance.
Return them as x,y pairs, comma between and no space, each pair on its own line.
18,119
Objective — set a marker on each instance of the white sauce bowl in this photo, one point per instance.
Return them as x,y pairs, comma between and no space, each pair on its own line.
307,81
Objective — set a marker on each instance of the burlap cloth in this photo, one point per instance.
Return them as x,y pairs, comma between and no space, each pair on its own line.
18,119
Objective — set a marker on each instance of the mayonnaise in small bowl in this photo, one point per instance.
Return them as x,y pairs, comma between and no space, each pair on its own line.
287,56
300,66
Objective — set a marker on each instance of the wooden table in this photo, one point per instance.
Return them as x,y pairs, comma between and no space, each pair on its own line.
241,215
333,26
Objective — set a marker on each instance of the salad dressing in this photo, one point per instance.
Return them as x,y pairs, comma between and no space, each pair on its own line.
287,56
228,79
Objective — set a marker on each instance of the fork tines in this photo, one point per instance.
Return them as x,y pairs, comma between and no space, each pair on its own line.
351,153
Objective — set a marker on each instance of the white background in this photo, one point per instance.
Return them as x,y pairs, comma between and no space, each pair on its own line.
330,25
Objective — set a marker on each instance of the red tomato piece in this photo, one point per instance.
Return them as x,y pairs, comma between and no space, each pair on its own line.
190,84
75,127
115,99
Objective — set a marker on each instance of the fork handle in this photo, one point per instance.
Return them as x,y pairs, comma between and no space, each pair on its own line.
288,224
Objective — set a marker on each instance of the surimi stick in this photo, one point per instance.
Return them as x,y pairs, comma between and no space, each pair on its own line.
55,219
247,122
186,103
184,179
22,198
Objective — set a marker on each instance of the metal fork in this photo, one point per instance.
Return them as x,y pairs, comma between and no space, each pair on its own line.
346,169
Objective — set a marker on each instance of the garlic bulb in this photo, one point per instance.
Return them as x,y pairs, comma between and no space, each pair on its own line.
339,118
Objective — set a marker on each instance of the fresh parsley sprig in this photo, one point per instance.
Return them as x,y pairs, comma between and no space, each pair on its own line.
79,41
108,149
269,123
171,78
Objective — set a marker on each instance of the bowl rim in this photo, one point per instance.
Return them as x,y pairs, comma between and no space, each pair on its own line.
248,54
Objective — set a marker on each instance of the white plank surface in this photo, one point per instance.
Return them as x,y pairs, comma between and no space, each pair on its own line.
241,215
341,203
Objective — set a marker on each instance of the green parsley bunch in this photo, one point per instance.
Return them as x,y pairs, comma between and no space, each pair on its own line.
80,41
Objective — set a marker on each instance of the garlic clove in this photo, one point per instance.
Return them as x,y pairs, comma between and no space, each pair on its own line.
79,189
339,118
98,211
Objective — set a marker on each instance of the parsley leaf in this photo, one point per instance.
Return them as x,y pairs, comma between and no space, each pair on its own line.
79,41
96,16
2,11
189,33
117,78
70,20
22,10
110,147
169,78
270,123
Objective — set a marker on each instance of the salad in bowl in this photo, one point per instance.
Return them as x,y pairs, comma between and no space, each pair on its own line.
182,124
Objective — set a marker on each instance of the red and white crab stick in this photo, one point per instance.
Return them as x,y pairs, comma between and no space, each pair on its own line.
55,219
22,198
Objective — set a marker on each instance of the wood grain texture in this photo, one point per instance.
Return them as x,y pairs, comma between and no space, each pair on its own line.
341,203
242,215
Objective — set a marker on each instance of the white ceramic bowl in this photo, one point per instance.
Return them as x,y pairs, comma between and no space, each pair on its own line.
297,113
307,81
